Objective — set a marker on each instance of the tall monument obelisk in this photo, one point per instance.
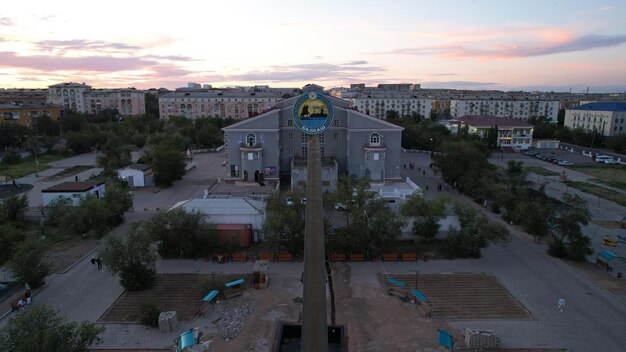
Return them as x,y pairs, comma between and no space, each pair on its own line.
314,319
313,113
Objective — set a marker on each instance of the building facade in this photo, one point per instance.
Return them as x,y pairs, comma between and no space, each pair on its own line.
196,104
69,94
519,109
607,118
27,115
74,191
511,133
267,146
127,101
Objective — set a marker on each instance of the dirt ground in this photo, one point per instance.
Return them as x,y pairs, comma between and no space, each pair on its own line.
374,321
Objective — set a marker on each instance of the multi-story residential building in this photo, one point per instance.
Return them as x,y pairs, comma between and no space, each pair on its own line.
127,101
195,104
403,98
69,94
27,115
523,108
606,118
24,96
511,132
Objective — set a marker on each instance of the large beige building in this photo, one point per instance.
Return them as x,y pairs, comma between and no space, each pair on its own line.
511,132
196,104
127,101
68,94
82,98
607,118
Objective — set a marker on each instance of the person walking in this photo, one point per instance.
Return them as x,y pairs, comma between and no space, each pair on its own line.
561,304
99,262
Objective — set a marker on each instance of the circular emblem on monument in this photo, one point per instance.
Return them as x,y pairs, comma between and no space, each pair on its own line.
313,113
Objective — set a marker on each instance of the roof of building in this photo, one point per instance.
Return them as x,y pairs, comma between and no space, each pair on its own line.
602,106
223,206
140,167
20,106
70,85
490,121
80,186
219,94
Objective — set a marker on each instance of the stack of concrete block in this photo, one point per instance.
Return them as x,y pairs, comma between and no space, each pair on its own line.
168,321
480,339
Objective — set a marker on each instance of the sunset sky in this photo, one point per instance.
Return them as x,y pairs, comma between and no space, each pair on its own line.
545,45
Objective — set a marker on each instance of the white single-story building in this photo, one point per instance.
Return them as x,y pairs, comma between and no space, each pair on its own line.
72,190
137,175
235,210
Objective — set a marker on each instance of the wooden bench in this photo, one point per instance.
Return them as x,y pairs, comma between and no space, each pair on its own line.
408,257
266,256
15,306
232,292
390,257
239,257
357,257
284,257
398,292
338,257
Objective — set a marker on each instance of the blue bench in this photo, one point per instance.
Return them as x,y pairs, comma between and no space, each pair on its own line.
211,295
235,283
396,282
420,296
185,340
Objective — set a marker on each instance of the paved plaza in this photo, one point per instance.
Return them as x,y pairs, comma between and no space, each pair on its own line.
593,320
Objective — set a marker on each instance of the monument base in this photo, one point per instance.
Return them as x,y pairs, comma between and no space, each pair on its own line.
290,338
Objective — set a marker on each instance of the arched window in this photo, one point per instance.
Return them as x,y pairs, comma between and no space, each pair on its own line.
375,139
250,139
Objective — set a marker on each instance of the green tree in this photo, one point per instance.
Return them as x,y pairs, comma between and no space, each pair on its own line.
10,236
114,156
152,104
427,215
475,233
534,215
14,207
568,233
371,226
41,329
117,200
133,259
284,221
491,137
11,157
617,143
28,263
168,164
181,234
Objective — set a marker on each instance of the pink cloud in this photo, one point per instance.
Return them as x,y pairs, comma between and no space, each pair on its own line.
557,43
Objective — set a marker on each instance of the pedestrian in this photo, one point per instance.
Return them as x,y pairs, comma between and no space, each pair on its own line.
427,187
404,168
93,260
423,172
561,304
76,178
99,262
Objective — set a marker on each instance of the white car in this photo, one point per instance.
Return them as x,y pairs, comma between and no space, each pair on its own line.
566,163
611,162
289,201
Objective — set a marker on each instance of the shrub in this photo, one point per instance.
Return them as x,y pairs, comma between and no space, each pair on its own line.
11,157
150,314
28,264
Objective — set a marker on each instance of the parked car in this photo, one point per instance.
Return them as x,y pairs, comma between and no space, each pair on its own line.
602,158
566,163
340,207
289,201
611,162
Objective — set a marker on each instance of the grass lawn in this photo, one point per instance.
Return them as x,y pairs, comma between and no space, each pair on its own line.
601,192
27,166
610,175
540,171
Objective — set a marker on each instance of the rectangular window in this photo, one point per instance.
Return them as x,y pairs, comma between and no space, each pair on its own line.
336,122
305,138
368,156
322,137
290,136
336,135
289,122
290,151
305,152
234,171
321,151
